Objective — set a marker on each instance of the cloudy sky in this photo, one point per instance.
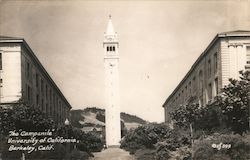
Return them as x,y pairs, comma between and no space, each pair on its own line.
159,41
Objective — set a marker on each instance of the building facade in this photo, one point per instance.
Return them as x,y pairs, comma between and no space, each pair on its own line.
111,66
225,56
22,76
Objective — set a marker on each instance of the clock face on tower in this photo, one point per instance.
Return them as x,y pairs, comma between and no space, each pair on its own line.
111,64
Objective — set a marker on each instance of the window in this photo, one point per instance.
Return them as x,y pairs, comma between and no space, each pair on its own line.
113,48
216,86
201,81
209,68
37,99
47,108
60,108
42,105
182,93
193,84
50,111
54,100
1,85
1,63
215,62
110,48
57,104
186,92
29,93
248,55
46,91
190,88
37,80
42,86
209,91
50,96
28,70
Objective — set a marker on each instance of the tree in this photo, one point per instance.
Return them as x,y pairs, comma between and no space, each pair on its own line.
191,116
234,103
20,117
24,117
186,115
231,106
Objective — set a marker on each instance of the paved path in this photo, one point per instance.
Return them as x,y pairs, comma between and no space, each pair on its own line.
113,154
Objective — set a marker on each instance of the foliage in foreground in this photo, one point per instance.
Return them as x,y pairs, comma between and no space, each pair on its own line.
157,139
145,136
20,116
234,103
26,118
230,110
238,150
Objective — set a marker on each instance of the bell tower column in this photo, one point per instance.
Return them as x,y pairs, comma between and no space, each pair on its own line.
112,108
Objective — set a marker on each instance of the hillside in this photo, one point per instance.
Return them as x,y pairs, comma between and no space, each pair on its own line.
95,117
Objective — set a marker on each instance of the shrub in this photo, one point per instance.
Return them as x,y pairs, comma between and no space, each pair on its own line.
182,153
234,103
92,142
175,146
20,116
144,137
88,142
162,150
239,147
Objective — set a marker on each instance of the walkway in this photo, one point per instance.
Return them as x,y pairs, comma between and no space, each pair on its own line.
113,154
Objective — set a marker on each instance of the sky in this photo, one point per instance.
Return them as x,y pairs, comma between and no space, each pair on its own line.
158,43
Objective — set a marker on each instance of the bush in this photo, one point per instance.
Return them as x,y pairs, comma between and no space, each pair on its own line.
239,147
162,150
92,142
20,116
176,146
182,153
88,142
144,137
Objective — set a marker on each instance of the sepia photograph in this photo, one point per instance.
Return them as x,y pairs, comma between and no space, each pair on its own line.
124,80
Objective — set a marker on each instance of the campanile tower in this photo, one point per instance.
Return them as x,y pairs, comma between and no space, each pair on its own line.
111,65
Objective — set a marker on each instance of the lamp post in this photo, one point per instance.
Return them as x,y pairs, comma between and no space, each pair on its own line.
67,123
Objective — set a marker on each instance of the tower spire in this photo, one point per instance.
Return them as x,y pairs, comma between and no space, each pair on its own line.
110,28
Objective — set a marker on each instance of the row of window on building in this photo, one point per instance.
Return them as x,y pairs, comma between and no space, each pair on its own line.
198,89
43,96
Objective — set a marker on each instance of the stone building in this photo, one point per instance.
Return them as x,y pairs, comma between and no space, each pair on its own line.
22,76
225,56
